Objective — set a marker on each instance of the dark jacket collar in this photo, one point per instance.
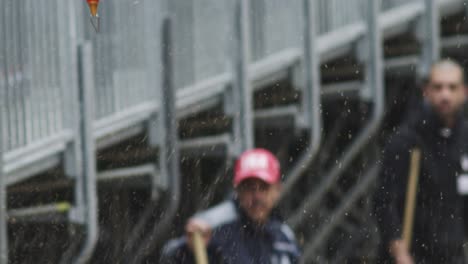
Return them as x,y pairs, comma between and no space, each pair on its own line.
427,123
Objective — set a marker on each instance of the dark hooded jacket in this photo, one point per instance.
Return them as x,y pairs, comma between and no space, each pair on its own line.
237,240
438,233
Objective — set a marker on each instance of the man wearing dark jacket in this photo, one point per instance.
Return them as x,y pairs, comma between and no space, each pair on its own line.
439,131
242,230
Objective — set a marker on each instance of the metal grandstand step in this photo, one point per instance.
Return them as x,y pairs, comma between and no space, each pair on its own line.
455,45
342,89
205,146
402,65
454,42
56,212
283,116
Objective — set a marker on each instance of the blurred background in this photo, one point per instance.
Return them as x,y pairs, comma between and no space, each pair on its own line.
111,139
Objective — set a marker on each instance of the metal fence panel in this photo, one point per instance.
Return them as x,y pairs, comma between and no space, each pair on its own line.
125,55
276,25
389,4
202,39
127,51
333,14
30,70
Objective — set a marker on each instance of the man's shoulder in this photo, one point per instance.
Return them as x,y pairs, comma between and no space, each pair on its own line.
402,138
219,215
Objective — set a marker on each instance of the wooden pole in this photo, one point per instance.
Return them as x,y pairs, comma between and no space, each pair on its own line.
199,248
411,192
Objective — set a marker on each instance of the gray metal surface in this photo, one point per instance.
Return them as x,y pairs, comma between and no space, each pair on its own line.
170,159
389,4
202,38
311,108
3,189
35,58
242,104
30,72
40,118
127,58
374,78
334,14
431,38
275,26
88,180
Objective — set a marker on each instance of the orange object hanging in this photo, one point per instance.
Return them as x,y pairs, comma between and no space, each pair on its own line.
93,7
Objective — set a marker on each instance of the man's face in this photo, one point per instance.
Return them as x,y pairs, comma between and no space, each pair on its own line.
257,198
446,91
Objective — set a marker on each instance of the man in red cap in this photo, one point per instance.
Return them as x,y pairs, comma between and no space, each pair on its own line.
242,230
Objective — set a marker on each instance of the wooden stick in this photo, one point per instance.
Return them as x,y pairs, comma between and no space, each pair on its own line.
199,247
411,192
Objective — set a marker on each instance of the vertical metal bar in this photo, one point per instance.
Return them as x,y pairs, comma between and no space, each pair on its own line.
55,65
157,132
40,117
70,107
3,84
73,158
31,103
242,91
107,64
3,199
15,73
44,121
48,66
3,123
169,151
23,81
430,37
86,90
3,188
119,44
62,61
311,104
374,80
7,57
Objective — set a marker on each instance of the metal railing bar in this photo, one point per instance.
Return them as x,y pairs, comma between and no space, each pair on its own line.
3,187
169,160
19,213
124,119
375,80
13,52
88,177
454,42
55,50
129,172
7,77
22,73
329,90
33,109
37,146
311,107
44,70
41,117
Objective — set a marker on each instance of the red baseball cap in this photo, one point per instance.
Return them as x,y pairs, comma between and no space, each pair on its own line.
259,164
